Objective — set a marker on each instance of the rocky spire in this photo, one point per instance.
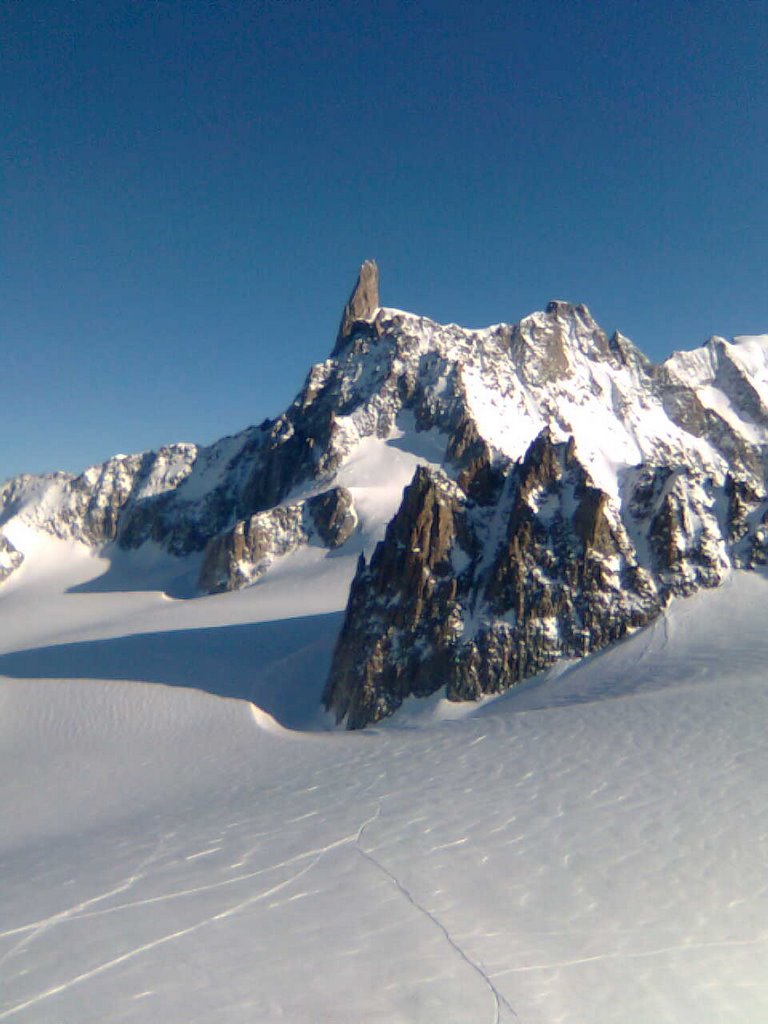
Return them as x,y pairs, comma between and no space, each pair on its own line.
363,301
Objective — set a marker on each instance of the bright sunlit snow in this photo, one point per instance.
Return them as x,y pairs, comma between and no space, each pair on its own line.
590,847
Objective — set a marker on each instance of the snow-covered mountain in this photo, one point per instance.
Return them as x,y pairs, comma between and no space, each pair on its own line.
186,837
560,489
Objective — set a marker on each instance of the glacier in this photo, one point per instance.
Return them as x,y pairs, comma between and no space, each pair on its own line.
589,846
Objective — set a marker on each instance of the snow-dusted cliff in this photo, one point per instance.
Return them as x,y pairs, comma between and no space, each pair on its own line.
567,488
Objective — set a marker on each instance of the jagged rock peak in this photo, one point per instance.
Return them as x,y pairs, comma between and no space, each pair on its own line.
557,307
363,302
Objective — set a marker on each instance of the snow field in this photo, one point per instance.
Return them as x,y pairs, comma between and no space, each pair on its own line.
591,847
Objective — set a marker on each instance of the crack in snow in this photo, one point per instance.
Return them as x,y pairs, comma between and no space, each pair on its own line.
499,1000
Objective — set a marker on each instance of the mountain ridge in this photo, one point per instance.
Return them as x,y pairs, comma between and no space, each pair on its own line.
551,445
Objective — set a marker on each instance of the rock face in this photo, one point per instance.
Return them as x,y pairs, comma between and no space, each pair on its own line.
569,489
400,615
333,516
475,597
10,558
363,302
242,555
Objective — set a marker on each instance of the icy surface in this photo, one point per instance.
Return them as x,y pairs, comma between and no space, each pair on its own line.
590,847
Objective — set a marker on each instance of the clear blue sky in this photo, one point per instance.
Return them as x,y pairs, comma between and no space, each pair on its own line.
189,188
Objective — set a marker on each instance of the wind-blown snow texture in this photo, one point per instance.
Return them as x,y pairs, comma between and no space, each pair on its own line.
590,846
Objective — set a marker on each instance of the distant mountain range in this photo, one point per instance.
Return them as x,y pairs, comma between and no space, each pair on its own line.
564,488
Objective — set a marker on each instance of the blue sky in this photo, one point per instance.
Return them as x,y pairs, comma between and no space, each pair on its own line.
190,187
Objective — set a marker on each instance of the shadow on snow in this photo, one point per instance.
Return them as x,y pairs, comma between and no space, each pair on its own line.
281,666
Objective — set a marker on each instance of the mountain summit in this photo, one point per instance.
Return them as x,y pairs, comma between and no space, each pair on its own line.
560,490
363,302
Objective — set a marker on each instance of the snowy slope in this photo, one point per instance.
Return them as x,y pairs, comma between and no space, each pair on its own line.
589,847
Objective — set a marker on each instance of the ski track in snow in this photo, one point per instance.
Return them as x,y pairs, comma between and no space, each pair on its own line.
639,955
109,964
77,911
72,914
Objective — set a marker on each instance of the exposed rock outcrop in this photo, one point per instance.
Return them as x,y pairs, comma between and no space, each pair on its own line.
10,558
333,516
400,613
473,598
241,555
362,304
